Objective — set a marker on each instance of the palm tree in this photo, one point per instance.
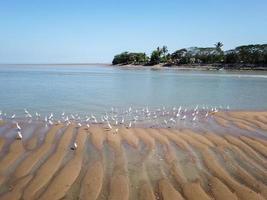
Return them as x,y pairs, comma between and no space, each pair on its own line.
164,50
219,45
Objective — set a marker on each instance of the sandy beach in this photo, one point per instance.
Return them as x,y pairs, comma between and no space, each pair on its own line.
225,159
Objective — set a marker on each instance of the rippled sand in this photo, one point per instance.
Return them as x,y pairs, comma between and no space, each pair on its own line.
224,158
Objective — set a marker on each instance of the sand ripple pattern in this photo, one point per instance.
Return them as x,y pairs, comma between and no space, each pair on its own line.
226,161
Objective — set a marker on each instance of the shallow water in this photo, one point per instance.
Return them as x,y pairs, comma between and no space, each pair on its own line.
95,89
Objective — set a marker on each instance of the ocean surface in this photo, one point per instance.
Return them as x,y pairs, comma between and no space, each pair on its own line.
95,89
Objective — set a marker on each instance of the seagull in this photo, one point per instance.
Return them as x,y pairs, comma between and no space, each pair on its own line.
184,117
207,114
74,147
79,124
13,116
88,125
194,119
26,111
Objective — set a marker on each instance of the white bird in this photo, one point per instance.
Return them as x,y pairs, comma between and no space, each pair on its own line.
172,120
194,119
207,114
74,147
26,111
88,125
130,125
51,116
13,116
109,126
79,124
67,118
165,121
63,114
184,117
18,127
19,135
50,122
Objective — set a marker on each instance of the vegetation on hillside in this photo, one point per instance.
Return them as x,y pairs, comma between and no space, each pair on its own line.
252,55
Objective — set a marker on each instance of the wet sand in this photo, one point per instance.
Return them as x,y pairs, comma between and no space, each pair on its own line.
224,158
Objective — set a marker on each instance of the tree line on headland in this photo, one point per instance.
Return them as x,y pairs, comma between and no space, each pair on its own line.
246,56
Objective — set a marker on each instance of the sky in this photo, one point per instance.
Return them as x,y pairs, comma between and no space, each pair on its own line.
87,31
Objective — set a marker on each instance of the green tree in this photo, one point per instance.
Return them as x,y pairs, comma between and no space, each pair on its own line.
155,57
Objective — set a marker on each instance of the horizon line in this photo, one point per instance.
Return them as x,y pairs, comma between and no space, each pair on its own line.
95,63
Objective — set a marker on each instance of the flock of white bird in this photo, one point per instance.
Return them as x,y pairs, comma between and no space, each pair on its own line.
115,118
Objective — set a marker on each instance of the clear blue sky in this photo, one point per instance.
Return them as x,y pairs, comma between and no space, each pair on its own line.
53,31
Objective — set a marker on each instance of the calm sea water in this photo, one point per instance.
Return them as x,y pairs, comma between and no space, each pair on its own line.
95,89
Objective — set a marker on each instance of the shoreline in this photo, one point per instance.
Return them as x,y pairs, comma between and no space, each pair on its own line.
191,67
